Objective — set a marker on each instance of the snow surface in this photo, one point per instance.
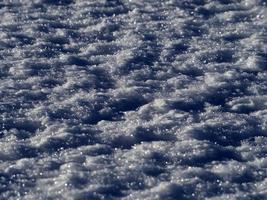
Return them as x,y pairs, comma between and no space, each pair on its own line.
133,99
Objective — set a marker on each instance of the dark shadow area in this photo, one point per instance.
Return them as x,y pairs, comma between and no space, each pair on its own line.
75,60
58,2
26,151
156,163
131,103
123,142
219,56
104,80
234,37
116,7
175,192
227,135
148,135
22,39
113,191
25,128
188,105
71,140
212,153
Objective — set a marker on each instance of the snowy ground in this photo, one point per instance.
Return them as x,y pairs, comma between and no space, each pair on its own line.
133,99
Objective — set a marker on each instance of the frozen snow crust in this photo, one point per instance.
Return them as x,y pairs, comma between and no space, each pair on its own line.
133,99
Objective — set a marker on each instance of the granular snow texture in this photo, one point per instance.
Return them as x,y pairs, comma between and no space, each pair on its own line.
133,99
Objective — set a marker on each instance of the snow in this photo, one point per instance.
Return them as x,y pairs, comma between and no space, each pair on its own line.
124,99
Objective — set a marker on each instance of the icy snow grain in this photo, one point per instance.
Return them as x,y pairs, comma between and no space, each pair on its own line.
123,99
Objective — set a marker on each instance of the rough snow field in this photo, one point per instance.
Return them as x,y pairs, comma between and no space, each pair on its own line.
133,99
